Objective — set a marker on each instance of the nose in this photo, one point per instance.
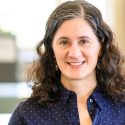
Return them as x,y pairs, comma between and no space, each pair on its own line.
74,51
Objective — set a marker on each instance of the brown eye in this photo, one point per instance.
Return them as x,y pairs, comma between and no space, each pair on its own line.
64,43
83,42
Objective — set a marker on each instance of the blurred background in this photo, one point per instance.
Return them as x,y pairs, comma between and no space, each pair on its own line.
22,24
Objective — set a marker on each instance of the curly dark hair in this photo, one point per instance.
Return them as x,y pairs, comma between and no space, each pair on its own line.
43,73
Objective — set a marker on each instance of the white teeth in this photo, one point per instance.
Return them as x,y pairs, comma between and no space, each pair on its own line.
75,63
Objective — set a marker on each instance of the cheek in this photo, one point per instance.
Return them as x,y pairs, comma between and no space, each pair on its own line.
93,55
58,52
59,56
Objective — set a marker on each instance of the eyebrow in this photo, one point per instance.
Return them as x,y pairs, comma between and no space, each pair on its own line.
81,37
84,37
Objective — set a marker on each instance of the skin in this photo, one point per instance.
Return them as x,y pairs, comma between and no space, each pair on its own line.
76,50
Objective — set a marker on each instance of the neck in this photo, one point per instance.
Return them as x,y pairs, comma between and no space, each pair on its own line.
83,89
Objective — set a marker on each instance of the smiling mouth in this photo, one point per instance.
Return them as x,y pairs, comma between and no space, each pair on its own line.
76,63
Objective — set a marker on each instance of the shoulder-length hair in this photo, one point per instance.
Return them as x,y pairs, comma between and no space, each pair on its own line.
43,72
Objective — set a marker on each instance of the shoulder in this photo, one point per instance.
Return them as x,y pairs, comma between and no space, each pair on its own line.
110,110
30,112
23,112
106,102
27,107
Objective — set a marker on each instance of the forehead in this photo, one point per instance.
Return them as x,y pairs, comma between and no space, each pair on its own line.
74,27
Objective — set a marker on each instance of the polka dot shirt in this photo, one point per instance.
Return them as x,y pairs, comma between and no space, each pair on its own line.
102,109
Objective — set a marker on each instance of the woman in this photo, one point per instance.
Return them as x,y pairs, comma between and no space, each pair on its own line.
78,78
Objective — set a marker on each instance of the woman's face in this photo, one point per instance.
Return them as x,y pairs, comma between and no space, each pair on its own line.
76,50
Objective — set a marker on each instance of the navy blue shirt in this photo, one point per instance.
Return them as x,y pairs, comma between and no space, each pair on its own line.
103,111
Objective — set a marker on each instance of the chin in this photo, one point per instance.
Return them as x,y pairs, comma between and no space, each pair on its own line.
76,78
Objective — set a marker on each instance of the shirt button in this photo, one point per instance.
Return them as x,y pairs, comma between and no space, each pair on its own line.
91,101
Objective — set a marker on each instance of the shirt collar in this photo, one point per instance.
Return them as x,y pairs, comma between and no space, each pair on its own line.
98,95
64,96
101,98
